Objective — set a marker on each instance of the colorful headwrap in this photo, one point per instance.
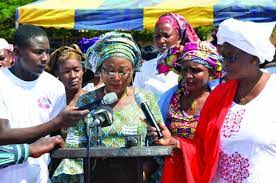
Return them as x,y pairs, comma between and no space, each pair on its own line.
178,22
64,53
186,33
113,44
85,43
201,52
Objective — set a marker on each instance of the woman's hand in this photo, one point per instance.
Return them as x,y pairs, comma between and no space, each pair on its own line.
167,140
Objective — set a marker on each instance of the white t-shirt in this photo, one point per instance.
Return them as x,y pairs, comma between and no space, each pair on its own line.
149,79
248,140
27,104
3,110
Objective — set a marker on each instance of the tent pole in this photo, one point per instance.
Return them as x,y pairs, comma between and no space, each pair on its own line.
16,24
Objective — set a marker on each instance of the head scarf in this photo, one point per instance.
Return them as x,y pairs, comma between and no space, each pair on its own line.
178,22
113,44
201,52
251,37
186,34
5,45
85,43
64,53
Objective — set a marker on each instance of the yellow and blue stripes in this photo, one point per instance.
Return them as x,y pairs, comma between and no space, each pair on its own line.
139,14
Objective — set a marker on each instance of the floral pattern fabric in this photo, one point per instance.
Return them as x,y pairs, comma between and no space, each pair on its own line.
248,141
234,168
231,123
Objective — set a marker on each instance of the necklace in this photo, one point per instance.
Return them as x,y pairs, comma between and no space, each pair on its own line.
195,103
191,102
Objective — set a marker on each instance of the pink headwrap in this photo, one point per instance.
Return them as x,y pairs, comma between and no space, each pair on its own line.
186,34
178,22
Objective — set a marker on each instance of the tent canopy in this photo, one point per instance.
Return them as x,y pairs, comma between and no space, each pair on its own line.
139,14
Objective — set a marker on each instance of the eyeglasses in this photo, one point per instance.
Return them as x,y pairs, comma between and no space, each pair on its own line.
229,59
112,74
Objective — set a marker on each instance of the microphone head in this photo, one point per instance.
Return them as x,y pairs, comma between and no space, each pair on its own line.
104,108
105,113
110,98
139,98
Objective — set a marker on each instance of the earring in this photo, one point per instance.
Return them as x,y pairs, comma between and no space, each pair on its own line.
132,80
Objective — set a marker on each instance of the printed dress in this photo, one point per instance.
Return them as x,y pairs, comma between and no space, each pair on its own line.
126,121
248,140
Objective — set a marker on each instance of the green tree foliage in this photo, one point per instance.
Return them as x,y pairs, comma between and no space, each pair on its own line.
204,32
7,16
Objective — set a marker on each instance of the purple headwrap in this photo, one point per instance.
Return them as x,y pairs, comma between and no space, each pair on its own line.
85,43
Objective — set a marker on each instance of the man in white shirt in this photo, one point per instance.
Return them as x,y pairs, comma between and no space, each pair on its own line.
31,103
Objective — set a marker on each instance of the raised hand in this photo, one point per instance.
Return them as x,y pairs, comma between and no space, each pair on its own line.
70,116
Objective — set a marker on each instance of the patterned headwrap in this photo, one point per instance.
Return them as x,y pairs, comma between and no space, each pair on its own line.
186,33
64,53
178,22
201,52
113,44
178,121
85,43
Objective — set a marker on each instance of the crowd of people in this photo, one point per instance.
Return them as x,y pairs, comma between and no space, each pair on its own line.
220,131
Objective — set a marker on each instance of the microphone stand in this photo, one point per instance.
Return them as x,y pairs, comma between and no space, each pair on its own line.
98,122
86,162
99,135
99,143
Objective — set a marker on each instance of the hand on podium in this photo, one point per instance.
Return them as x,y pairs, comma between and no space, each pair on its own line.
44,145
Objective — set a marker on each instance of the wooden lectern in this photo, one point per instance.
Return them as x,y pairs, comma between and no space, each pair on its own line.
114,164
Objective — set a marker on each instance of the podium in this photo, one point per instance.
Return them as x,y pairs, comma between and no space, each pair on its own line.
115,164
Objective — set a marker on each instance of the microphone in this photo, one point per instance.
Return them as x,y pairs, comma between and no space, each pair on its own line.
103,116
109,98
147,112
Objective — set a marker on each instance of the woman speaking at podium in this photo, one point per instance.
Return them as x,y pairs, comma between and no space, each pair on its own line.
116,56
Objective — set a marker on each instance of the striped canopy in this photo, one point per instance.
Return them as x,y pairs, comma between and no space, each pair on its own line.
139,14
